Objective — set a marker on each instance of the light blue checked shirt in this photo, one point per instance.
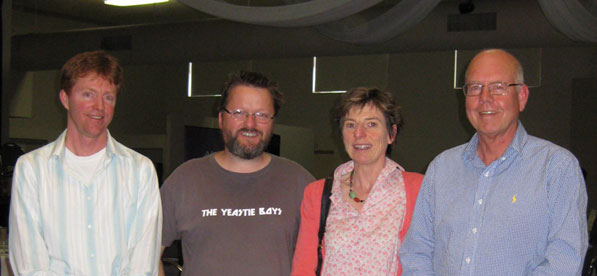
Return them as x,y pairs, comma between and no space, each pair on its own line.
524,214
61,226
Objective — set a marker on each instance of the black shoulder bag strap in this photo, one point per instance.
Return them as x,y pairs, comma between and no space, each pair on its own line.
325,207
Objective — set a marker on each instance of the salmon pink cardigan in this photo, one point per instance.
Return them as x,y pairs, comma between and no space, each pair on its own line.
304,261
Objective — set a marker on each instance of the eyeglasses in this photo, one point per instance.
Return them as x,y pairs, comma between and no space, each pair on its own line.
495,88
241,116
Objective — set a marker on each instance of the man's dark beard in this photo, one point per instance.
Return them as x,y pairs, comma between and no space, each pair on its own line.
243,152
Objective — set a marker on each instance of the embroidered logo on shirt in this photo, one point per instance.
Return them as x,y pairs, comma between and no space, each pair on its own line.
514,198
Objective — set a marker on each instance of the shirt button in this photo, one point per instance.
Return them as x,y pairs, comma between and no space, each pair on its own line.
475,230
503,158
89,226
468,260
480,201
487,174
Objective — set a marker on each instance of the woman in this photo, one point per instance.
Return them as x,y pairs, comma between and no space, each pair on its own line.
372,196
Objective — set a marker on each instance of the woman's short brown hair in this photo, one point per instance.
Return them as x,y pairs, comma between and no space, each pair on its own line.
360,97
98,62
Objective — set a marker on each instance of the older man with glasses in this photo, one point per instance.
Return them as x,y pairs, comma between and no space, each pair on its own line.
505,203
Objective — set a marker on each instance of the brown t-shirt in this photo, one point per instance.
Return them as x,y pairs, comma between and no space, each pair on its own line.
234,223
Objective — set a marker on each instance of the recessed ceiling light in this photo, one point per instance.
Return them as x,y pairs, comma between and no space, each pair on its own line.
124,3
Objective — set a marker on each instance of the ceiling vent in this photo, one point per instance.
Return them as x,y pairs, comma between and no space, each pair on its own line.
116,43
472,22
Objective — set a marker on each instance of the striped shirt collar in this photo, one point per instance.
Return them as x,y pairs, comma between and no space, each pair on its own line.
112,147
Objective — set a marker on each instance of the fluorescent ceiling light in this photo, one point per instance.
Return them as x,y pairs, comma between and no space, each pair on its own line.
123,3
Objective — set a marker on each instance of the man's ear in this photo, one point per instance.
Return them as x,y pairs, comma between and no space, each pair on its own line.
220,119
523,97
64,99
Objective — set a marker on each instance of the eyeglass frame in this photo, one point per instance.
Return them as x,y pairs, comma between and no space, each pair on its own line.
489,89
257,116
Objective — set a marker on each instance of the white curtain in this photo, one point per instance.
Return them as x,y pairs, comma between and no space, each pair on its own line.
571,18
393,22
568,16
398,19
303,14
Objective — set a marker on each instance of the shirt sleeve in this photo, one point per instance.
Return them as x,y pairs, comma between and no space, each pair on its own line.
145,248
304,261
27,248
416,252
567,238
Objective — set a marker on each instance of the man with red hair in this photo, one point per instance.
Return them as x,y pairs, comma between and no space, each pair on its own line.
85,204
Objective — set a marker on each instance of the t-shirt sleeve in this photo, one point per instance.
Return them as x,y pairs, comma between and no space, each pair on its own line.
303,179
169,199
298,178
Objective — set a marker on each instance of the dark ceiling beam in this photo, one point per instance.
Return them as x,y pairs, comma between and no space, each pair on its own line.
59,15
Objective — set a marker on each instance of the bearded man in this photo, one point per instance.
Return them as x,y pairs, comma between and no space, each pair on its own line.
237,211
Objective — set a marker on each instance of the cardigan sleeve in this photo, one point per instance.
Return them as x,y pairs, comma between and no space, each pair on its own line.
412,183
304,261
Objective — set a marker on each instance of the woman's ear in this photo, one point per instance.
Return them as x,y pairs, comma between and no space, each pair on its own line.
392,135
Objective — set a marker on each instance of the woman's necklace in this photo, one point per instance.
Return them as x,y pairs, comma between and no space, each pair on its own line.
351,193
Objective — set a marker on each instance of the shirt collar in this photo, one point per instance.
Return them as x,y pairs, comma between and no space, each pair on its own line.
59,148
380,190
520,138
349,166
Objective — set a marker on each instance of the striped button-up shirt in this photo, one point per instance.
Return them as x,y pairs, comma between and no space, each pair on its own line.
524,214
59,225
